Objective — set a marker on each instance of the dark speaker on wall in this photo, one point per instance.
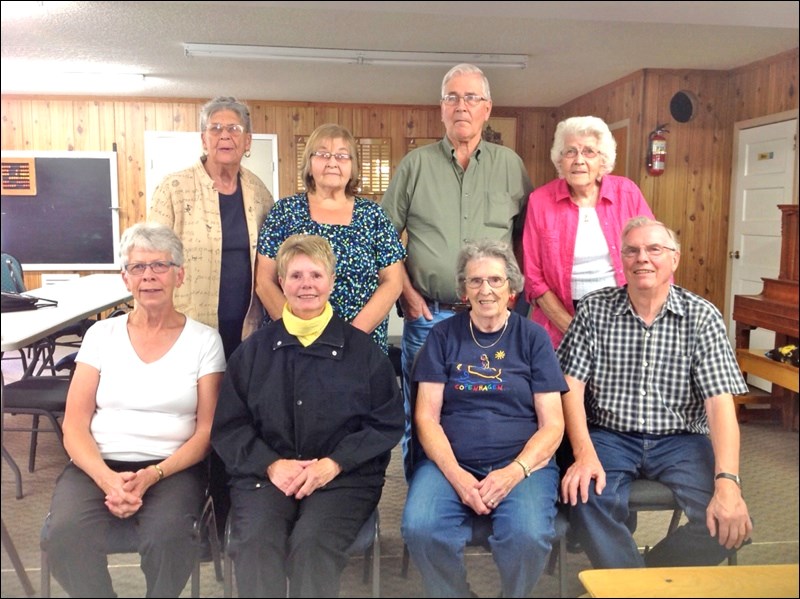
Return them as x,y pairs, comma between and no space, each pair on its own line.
682,106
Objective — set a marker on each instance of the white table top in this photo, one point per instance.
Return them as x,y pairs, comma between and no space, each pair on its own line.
77,299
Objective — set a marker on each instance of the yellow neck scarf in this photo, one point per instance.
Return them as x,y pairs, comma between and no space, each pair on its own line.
307,331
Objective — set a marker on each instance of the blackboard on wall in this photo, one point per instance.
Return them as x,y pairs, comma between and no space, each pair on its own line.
72,220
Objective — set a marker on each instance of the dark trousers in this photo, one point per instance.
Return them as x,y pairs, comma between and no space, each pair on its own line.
79,523
275,538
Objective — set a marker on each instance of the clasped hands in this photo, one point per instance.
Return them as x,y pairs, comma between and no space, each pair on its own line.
301,478
124,490
483,496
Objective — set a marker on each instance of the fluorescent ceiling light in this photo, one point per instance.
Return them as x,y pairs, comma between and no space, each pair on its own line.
363,57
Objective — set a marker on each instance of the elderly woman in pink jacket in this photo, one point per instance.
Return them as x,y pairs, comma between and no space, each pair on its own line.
573,224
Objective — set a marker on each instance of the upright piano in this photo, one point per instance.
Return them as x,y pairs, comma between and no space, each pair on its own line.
775,309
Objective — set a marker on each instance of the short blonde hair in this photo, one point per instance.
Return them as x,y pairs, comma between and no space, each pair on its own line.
315,247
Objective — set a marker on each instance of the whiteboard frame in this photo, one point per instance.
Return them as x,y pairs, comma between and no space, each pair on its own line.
268,173
114,184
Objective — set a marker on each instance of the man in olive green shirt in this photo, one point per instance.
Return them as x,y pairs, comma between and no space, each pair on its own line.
444,194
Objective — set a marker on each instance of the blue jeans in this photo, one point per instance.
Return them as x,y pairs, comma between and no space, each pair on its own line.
683,462
415,332
436,527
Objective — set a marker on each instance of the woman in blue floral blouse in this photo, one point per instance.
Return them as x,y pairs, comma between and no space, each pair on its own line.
369,253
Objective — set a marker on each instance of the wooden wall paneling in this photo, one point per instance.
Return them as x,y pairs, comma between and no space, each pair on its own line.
62,125
423,122
290,121
262,117
368,122
327,114
766,87
718,181
186,116
87,126
130,145
40,134
11,132
534,143
783,84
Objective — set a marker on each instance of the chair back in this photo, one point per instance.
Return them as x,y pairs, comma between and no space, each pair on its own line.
13,280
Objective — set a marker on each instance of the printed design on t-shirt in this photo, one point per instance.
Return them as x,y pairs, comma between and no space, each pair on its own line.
475,375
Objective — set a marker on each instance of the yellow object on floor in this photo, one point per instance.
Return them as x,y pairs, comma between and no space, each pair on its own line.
696,581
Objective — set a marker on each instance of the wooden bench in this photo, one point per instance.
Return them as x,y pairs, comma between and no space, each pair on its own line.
785,376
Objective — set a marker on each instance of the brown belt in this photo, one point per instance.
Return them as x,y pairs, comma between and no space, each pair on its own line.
458,307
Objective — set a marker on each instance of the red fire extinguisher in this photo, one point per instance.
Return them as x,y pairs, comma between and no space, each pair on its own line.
657,150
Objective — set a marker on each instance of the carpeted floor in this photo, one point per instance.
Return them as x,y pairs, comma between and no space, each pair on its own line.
769,471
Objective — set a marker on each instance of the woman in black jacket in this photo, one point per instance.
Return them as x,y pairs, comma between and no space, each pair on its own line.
308,414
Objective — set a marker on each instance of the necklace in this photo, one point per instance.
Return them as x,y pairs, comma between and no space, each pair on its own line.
495,342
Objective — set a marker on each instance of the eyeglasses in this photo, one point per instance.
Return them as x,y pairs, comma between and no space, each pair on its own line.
137,269
585,152
339,156
469,99
233,129
651,250
495,282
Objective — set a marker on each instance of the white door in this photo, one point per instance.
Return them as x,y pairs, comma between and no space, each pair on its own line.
765,168
168,151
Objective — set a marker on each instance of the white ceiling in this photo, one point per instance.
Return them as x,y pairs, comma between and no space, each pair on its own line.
573,47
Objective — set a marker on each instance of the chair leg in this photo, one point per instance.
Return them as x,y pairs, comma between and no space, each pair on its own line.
227,578
404,566
56,426
376,561
34,443
11,549
562,566
213,542
196,578
674,521
45,574
17,474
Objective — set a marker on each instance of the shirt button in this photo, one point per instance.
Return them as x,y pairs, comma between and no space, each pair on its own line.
279,343
334,353
647,335
642,420
299,402
644,363
644,393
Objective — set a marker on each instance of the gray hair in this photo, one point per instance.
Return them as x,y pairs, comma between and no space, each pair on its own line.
219,103
466,69
642,221
488,248
151,237
580,126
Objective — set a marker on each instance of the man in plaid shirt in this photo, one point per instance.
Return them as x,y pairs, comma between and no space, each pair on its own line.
652,377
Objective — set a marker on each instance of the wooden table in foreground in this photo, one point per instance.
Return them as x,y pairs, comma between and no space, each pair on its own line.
696,581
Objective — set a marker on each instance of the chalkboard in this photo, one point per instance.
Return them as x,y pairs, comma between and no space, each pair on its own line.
72,220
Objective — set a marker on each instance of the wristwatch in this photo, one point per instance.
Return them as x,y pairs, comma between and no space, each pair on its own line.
734,477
